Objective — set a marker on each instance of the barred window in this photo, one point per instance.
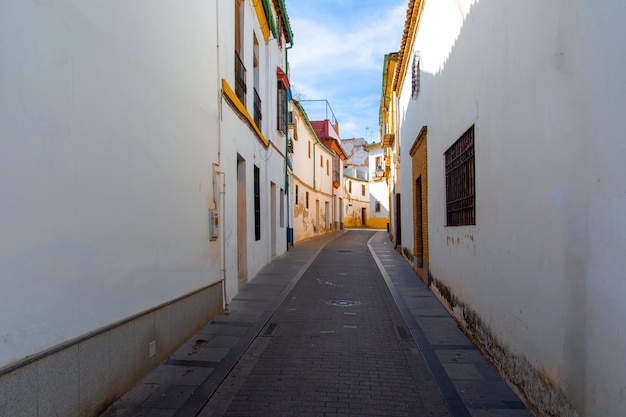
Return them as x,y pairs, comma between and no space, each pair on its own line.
415,76
460,181
281,108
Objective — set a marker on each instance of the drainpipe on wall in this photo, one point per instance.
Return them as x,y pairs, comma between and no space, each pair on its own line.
222,193
314,160
289,229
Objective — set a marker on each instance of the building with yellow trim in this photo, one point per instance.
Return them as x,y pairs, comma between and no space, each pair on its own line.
144,181
502,123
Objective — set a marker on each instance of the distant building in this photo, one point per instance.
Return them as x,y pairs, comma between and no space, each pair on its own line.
367,196
315,176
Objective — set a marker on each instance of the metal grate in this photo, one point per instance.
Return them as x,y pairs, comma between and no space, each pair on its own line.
415,76
460,181
257,109
241,88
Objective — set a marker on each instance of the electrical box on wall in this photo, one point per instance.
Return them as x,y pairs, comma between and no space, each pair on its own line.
213,224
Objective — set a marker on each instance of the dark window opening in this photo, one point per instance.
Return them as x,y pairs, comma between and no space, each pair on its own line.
257,204
281,117
461,181
415,76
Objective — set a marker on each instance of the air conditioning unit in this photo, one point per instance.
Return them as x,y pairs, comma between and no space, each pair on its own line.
290,118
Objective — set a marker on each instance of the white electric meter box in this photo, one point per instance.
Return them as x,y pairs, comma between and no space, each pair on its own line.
213,224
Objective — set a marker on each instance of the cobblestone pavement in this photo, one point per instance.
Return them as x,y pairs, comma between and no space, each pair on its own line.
337,346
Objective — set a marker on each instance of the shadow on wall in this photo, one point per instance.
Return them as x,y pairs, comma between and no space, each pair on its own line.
450,72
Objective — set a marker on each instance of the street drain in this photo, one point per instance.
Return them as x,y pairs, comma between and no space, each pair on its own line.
270,329
343,303
345,251
402,333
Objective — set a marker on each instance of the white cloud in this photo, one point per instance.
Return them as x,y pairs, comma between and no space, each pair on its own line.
339,57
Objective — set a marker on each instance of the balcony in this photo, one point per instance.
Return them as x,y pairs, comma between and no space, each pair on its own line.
240,80
258,116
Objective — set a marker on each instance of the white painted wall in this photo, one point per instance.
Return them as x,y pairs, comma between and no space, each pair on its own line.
111,122
106,123
238,138
378,189
543,266
311,177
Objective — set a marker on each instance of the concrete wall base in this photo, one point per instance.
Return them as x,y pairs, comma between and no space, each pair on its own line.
82,377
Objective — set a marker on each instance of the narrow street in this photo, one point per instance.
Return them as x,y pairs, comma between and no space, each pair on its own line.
339,326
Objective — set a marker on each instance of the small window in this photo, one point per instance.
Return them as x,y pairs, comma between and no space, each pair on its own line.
377,207
309,150
321,161
362,189
461,182
296,194
327,168
349,186
415,79
307,200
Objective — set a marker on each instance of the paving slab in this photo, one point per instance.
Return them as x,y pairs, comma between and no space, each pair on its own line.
339,326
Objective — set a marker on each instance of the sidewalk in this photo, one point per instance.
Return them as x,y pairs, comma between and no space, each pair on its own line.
417,361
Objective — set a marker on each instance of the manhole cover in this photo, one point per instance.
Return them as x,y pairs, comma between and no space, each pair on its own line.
343,303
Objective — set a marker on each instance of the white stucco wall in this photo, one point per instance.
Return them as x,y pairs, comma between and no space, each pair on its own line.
378,189
311,177
110,126
105,164
542,267
238,138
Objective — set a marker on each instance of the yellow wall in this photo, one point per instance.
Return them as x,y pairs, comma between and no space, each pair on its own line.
377,222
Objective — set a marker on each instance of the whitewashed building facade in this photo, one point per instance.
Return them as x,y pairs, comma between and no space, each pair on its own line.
315,176
520,106
123,146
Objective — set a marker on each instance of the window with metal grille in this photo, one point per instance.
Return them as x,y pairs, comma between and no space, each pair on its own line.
281,116
415,76
460,181
241,88
257,204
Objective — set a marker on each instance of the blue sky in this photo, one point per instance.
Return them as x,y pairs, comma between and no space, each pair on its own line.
338,52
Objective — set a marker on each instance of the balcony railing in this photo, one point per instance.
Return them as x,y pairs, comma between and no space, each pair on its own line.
240,79
258,116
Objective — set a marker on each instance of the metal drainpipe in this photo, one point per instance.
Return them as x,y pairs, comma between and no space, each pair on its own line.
222,193
314,164
289,232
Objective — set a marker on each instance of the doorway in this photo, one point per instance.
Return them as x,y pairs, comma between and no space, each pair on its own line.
273,217
242,224
419,224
